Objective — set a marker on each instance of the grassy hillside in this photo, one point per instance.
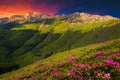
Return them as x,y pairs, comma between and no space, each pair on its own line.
28,26
81,64
10,41
27,43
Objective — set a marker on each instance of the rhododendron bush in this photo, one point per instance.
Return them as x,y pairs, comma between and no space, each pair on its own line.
101,65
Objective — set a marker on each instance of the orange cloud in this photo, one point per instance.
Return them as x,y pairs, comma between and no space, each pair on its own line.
5,14
20,7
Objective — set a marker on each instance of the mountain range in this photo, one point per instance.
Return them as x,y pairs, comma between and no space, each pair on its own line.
74,18
27,41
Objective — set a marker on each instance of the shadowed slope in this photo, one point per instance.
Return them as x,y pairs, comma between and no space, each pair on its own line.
22,47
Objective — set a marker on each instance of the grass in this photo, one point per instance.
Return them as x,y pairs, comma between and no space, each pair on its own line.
50,27
70,40
29,26
84,54
27,43
10,41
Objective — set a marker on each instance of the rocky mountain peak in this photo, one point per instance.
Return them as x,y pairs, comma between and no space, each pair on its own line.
73,18
16,18
87,18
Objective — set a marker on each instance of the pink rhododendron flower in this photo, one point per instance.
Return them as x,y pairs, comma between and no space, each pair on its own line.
72,59
110,51
14,79
99,74
35,70
110,62
61,63
76,65
83,66
58,75
96,72
80,77
115,63
53,71
46,77
95,66
71,73
36,79
32,77
117,54
21,76
99,53
118,66
107,75
99,57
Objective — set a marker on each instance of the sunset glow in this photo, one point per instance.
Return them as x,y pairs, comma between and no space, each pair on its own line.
21,7
52,7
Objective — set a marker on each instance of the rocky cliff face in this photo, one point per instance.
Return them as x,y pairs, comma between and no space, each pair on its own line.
16,18
73,18
85,18
28,17
36,17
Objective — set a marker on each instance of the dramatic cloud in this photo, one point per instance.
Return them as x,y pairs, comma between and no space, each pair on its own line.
10,7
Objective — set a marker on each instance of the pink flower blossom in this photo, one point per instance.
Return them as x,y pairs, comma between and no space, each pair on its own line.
72,59
118,66
46,76
53,71
36,79
35,70
110,62
97,73
115,63
84,65
71,73
61,63
107,75
110,51
99,57
117,54
14,79
80,77
95,66
58,75
99,53
32,77
76,65
21,76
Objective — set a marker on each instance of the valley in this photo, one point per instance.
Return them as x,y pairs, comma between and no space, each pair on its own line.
42,41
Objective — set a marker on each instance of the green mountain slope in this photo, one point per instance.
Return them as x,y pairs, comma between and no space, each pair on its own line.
95,56
10,41
54,43
27,43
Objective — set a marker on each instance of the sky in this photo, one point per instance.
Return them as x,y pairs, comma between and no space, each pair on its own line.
53,7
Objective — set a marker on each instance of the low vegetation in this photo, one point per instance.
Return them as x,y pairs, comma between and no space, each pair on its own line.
24,44
97,61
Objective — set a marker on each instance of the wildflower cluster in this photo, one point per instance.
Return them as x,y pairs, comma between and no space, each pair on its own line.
100,66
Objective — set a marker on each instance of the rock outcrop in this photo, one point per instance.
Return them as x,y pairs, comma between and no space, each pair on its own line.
85,18
73,18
